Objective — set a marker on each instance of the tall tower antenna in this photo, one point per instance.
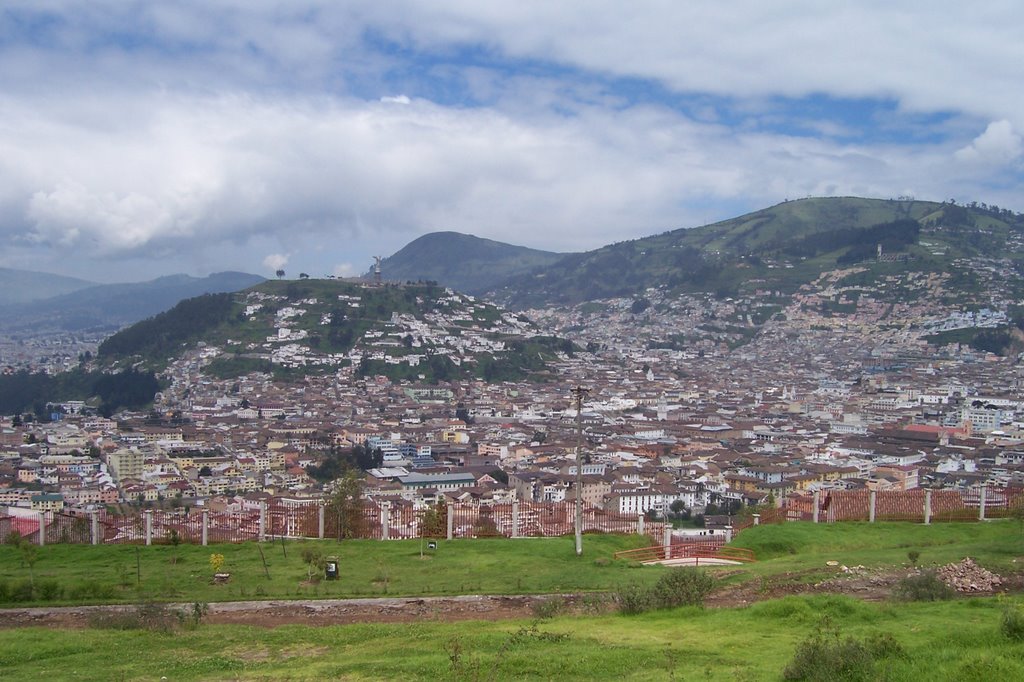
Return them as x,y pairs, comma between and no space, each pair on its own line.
376,269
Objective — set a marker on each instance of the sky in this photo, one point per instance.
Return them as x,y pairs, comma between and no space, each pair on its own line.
140,139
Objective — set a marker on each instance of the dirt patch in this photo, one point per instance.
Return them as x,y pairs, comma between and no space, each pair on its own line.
322,612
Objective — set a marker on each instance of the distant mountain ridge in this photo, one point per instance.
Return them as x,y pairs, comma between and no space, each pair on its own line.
23,286
112,306
779,248
463,262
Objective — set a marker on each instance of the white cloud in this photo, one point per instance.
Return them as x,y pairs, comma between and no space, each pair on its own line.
344,270
275,261
230,130
999,144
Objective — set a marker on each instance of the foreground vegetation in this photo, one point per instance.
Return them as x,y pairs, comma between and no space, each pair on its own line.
794,552
960,640
368,568
796,637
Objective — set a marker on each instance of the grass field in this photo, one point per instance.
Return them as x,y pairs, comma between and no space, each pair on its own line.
126,573
956,640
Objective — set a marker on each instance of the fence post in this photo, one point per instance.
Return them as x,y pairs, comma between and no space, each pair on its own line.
95,527
872,498
206,527
451,521
42,528
263,522
728,534
927,507
515,518
817,505
757,519
666,540
149,526
321,520
981,507
385,520
640,524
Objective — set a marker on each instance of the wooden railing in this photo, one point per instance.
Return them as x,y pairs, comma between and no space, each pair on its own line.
687,551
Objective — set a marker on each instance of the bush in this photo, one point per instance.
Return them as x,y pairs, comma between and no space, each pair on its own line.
633,599
91,590
549,607
49,590
683,587
925,586
1012,623
827,657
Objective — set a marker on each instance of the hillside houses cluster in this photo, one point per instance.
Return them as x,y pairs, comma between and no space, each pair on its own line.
662,430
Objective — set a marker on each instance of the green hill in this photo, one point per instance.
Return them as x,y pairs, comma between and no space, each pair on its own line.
23,286
463,262
412,331
779,248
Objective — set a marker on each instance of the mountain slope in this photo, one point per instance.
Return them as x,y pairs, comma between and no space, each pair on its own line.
463,262
110,306
414,331
23,286
779,248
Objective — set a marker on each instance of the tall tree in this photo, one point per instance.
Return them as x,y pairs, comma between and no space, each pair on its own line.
345,505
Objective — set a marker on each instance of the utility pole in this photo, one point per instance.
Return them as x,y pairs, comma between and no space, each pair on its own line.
579,393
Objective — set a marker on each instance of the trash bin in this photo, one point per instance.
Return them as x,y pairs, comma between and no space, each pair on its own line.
331,568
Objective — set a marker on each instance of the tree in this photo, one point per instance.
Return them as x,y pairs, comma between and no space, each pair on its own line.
345,505
303,275
279,273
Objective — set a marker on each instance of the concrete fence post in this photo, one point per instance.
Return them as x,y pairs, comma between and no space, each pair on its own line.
816,505
981,506
321,520
385,520
42,528
149,526
872,501
451,521
94,524
757,519
640,524
263,522
927,507
206,527
666,540
515,518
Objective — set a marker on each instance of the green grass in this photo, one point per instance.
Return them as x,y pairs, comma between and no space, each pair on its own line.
958,640
368,568
951,640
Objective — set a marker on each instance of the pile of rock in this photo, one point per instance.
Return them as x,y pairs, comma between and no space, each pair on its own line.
968,576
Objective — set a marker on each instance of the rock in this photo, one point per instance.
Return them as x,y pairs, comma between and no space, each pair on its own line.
967,576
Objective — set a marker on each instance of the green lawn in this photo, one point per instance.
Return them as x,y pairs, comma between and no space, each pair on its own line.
957,640
110,573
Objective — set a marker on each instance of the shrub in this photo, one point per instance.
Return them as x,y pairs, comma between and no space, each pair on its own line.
548,608
49,590
91,590
1012,623
22,591
925,586
633,598
683,587
827,657
5,591
913,555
